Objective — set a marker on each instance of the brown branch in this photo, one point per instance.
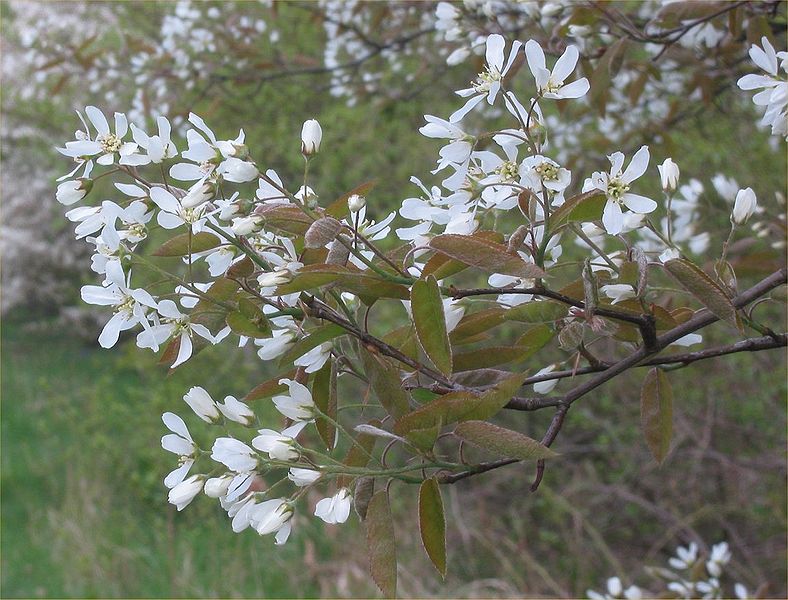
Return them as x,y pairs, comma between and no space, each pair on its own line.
779,340
645,322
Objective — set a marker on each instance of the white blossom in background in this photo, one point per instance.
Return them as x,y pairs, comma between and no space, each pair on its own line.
773,86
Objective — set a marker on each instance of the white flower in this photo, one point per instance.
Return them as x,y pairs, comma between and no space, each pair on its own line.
545,387
279,446
315,358
272,516
669,175
131,306
107,144
70,192
685,557
246,225
202,404
335,509
274,278
173,213
355,203
774,89
216,487
720,556
234,454
616,187
741,591
275,346
303,477
174,324
183,493
488,83
237,411
744,206
178,442
550,84
618,292
298,405
237,170
158,147
311,136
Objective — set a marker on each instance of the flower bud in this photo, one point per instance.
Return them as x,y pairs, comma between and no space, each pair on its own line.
70,192
669,174
216,487
198,194
246,225
202,404
183,493
355,203
311,136
744,206
274,278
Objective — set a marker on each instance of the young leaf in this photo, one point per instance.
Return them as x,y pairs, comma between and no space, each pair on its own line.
384,378
179,245
503,442
703,287
432,524
381,544
543,311
583,207
269,388
324,393
656,413
427,308
356,457
487,256
362,494
249,320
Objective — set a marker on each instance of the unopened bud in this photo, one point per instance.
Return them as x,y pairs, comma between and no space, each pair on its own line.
246,225
308,196
669,175
744,206
355,203
73,191
274,278
311,136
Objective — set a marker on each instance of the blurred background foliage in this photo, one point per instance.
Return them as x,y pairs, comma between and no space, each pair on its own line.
84,512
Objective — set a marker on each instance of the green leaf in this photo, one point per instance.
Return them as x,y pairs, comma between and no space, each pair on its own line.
432,524
656,413
476,323
324,394
249,320
381,544
501,441
424,439
383,376
427,308
705,289
529,343
313,340
314,276
584,207
460,406
179,245
487,256
543,311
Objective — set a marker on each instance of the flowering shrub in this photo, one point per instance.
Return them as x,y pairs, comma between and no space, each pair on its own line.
230,253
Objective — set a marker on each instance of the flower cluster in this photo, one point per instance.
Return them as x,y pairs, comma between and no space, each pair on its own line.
688,577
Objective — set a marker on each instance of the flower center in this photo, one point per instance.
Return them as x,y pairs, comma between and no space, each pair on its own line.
138,230
192,215
485,79
126,306
552,86
206,166
547,171
507,171
109,143
616,188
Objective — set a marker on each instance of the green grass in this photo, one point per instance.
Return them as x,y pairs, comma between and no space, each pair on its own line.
84,511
